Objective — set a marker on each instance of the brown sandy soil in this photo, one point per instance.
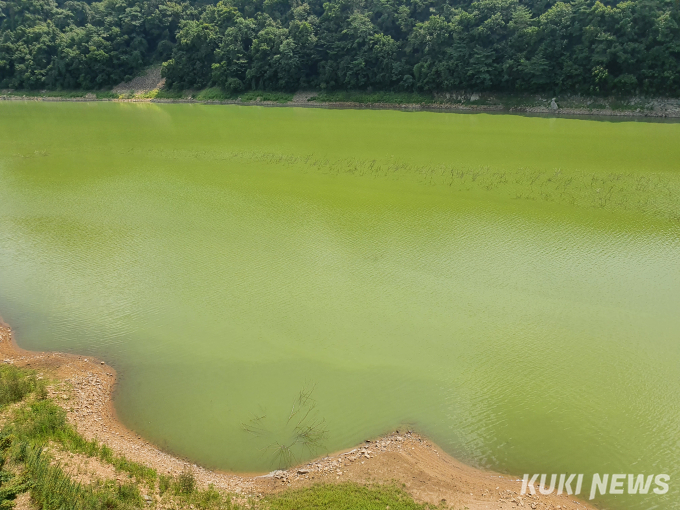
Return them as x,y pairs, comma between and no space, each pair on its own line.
23,502
83,387
150,80
81,468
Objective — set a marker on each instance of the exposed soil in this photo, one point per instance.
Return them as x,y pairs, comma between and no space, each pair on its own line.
656,108
83,387
150,80
23,502
81,468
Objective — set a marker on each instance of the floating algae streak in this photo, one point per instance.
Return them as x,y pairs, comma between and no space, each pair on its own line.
508,286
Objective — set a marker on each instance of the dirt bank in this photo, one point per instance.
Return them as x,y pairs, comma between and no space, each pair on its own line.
83,387
662,108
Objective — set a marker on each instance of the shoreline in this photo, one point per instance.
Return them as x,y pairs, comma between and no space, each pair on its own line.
437,107
84,388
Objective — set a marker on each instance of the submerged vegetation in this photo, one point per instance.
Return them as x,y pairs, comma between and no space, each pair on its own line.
654,194
301,433
577,46
34,427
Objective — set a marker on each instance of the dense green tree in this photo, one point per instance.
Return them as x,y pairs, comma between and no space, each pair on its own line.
579,46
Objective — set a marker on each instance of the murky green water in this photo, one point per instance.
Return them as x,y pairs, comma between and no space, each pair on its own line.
508,286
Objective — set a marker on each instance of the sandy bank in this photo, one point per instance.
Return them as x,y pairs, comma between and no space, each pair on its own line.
84,387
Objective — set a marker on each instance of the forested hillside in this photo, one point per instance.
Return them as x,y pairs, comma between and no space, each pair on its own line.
581,46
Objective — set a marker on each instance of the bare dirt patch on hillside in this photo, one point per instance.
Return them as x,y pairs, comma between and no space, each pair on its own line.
150,80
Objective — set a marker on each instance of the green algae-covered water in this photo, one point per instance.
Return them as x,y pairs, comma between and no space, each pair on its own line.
508,286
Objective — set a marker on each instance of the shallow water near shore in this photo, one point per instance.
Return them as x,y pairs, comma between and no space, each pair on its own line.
508,286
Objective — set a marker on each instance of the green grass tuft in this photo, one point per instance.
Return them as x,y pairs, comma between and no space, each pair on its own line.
373,97
346,496
52,489
170,94
67,94
16,384
106,94
186,482
42,421
213,94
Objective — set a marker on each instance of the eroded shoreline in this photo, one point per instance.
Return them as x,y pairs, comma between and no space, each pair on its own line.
84,387
670,114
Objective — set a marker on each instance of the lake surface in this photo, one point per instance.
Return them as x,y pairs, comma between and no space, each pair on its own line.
508,286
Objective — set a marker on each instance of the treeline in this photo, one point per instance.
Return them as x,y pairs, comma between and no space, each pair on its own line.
580,46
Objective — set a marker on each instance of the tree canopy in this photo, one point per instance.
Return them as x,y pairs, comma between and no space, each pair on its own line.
577,46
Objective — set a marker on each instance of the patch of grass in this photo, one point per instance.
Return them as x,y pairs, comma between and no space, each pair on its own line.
151,94
164,483
16,384
346,496
11,485
169,94
184,488
209,499
39,422
213,94
106,94
48,93
373,97
186,482
135,469
67,94
42,421
52,489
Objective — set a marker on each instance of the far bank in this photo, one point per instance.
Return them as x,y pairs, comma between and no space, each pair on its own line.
461,101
